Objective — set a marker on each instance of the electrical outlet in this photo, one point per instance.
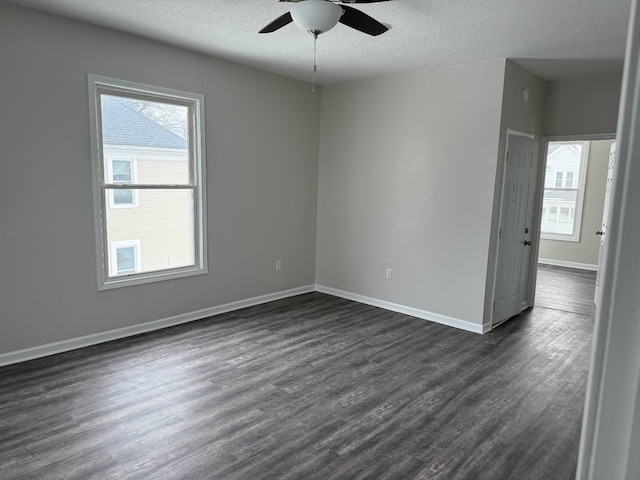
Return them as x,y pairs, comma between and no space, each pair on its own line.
278,265
389,274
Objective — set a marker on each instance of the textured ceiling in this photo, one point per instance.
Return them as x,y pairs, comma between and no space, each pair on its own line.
552,38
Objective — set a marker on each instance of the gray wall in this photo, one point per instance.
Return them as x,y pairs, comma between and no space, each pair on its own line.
262,145
583,106
406,181
587,249
526,117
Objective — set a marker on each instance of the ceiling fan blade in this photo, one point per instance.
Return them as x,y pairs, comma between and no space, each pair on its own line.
339,1
279,22
361,21
361,1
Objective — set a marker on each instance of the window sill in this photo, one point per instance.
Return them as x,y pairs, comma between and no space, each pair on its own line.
150,277
560,238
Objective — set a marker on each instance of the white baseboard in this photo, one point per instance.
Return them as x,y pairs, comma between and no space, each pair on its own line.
563,263
414,312
88,340
79,342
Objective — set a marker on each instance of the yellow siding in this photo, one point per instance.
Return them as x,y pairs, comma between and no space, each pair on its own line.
162,220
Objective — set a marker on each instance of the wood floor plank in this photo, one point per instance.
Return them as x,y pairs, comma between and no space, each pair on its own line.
312,387
567,289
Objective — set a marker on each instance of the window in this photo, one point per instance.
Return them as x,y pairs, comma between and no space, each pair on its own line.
564,183
126,260
125,257
569,182
559,179
148,165
121,172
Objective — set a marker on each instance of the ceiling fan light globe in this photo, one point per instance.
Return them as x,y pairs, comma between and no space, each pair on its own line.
316,16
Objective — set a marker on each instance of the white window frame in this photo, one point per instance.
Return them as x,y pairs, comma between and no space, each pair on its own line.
99,84
134,179
115,245
580,188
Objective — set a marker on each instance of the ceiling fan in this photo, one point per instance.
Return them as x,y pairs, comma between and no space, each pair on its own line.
320,16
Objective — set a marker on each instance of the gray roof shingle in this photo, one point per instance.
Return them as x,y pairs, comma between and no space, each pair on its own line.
122,124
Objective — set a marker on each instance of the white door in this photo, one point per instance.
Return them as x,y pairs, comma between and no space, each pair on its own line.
605,214
515,234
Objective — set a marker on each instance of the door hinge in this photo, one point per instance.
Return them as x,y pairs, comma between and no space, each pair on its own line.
494,305
500,232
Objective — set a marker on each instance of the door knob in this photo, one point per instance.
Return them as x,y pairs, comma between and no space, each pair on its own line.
600,232
527,243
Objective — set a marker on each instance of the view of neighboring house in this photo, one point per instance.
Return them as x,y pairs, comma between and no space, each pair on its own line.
147,229
562,186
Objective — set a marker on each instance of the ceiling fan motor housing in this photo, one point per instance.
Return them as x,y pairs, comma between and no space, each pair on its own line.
316,16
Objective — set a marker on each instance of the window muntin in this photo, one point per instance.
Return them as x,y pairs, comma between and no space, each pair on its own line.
148,152
564,186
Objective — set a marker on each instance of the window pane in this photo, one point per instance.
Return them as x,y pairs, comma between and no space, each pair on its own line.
126,260
560,203
558,179
122,171
569,182
123,197
154,133
563,187
163,223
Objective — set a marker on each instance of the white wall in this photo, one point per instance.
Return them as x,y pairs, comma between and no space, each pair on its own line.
262,146
583,106
587,249
406,181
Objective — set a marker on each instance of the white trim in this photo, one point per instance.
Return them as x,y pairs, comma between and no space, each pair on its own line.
87,340
96,338
414,312
611,422
589,137
518,133
150,277
156,153
564,263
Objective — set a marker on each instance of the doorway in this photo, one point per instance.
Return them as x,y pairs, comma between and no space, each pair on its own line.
573,221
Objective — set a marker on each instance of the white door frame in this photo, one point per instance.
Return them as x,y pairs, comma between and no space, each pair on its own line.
516,133
610,439
539,197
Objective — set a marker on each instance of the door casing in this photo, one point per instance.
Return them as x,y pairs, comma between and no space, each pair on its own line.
540,193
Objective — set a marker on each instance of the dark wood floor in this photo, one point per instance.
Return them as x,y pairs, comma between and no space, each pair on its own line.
566,289
312,387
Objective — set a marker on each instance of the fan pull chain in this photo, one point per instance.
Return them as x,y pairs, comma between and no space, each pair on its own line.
315,67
